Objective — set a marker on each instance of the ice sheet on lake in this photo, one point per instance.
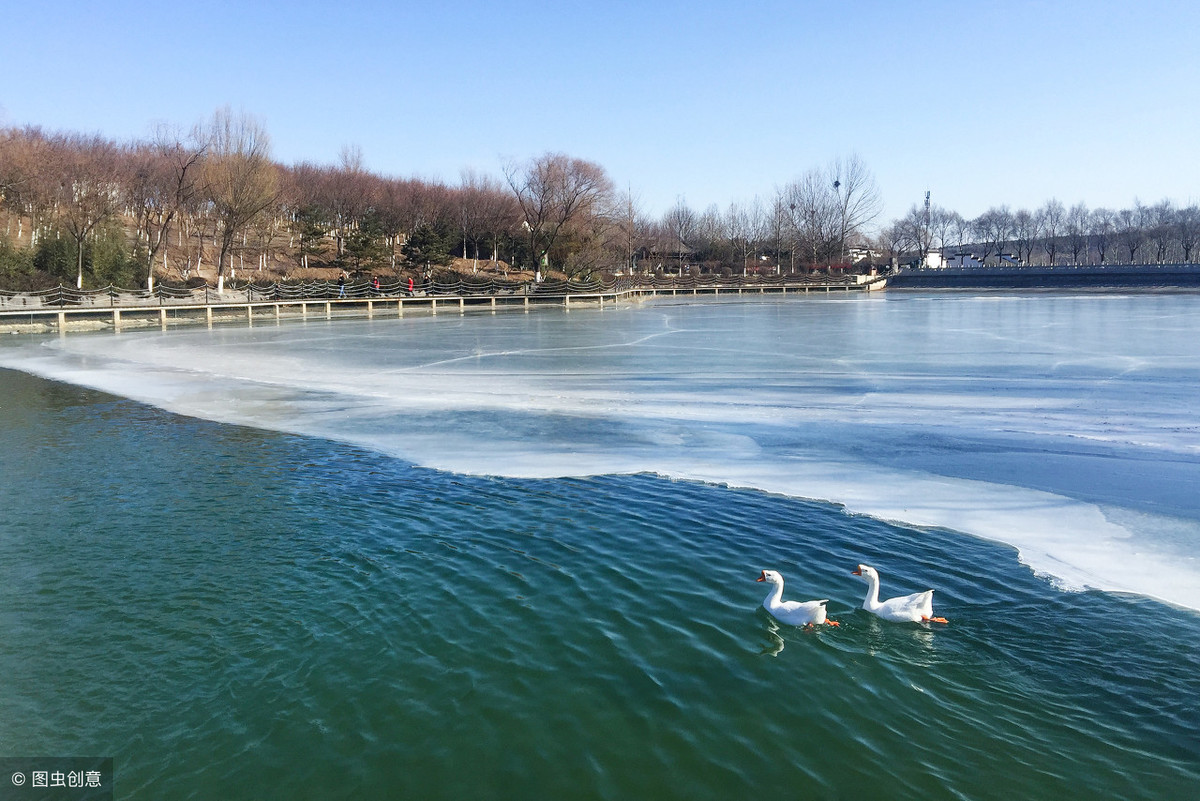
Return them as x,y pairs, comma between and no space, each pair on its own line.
1062,425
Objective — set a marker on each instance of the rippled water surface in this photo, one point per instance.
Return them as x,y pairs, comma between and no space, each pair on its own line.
233,612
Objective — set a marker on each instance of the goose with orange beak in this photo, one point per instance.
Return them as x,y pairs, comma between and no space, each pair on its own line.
915,608
793,613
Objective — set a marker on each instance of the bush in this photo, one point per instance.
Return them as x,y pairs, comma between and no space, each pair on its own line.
427,245
109,261
14,261
17,270
55,257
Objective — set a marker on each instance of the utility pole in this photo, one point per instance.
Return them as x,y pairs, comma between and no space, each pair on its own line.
927,244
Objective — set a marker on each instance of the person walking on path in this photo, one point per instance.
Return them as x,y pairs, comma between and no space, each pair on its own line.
342,285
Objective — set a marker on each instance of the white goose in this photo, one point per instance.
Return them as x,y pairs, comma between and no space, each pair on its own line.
794,613
915,608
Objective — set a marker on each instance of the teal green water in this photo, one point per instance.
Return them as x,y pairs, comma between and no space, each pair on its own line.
236,614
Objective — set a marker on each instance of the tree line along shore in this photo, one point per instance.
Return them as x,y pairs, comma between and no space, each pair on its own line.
211,204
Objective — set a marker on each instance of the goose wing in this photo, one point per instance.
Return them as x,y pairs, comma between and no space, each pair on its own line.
908,607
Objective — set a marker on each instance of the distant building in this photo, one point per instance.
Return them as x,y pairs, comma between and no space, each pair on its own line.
857,254
962,260
966,260
934,260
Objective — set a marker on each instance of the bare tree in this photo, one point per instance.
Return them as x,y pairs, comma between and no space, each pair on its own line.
89,192
14,174
421,204
994,228
1187,225
857,196
758,228
1131,229
392,219
1051,219
915,230
815,217
891,241
552,190
239,177
632,229
586,243
780,231
348,192
683,224
1100,232
501,217
713,237
739,228
947,227
301,193
1160,220
1025,233
962,228
29,181
162,183
483,207
1077,225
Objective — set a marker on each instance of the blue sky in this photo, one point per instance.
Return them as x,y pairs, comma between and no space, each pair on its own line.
712,101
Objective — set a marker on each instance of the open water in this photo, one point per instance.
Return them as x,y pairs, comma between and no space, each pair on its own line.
513,555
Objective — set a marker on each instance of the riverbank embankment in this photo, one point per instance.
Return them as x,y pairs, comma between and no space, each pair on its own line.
1083,276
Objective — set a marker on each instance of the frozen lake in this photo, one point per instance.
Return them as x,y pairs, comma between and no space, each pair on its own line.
1065,425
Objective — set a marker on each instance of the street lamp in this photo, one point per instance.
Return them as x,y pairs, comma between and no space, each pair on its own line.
792,249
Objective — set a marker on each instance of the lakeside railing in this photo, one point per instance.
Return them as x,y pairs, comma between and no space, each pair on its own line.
240,293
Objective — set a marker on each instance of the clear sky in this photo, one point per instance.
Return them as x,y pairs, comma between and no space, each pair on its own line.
982,103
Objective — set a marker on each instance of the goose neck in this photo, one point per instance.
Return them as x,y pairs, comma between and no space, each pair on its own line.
872,599
774,595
